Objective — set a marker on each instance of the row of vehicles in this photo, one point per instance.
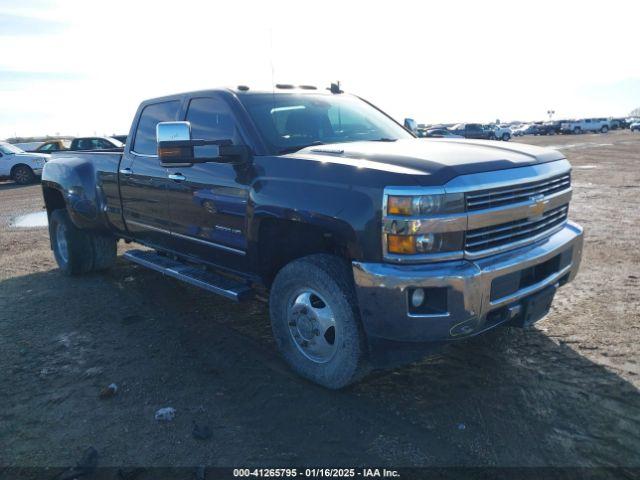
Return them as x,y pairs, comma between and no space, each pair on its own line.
80,143
468,130
506,132
24,165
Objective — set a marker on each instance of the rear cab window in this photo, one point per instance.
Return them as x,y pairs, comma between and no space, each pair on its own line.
145,136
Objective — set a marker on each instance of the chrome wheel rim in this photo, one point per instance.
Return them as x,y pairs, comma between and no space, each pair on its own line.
312,325
61,242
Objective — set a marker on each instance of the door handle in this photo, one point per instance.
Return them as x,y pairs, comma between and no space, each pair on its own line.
177,177
126,171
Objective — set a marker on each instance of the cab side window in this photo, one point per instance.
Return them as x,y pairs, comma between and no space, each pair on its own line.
145,137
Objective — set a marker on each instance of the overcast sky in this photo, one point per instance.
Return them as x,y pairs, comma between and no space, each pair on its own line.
82,67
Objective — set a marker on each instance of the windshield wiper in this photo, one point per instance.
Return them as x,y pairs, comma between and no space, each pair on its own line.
295,148
384,139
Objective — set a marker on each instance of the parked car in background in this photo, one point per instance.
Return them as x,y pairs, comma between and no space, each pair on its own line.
548,128
585,125
618,123
440,133
52,146
472,130
95,143
501,132
635,127
20,166
526,129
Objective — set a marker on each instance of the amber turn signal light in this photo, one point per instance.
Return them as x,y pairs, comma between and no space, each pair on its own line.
399,205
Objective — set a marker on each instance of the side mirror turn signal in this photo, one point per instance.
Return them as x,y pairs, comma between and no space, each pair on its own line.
175,147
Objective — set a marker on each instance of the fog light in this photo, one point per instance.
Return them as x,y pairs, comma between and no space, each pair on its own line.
417,297
403,244
428,242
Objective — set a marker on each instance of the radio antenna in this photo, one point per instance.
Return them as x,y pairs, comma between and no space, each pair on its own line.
273,84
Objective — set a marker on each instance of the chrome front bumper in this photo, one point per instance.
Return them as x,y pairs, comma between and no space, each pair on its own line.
382,290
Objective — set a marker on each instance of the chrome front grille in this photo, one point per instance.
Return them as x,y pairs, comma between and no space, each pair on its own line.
500,235
499,197
503,210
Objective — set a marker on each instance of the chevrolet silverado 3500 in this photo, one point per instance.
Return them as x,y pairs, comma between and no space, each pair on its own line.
374,246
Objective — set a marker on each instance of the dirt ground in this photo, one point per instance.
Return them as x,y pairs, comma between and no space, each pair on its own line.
564,393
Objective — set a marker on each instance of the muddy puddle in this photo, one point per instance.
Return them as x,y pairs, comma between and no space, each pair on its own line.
31,220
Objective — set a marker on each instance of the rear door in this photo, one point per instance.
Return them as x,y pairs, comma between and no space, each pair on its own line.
208,201
144,182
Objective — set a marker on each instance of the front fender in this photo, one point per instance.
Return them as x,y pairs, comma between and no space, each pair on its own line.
348,215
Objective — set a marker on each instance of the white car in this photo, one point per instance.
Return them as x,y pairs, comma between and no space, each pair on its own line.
19,165
502,132
526,129
586,125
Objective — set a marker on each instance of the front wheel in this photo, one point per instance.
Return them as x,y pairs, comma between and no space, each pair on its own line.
79,251
315,321
506,137
23,175
604,129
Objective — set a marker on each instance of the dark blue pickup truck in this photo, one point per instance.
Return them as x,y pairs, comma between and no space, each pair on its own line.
375,246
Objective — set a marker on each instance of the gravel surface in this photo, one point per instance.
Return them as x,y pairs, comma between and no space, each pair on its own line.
563,393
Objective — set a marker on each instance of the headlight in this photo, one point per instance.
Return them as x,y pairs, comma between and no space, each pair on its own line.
422,225
415,205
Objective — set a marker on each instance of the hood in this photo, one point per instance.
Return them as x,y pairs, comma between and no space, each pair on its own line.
432,161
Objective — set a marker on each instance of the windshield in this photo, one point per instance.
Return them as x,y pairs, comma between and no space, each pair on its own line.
289,122
9,149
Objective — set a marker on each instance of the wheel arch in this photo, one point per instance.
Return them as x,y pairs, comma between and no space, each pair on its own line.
281,241
53,197
21,164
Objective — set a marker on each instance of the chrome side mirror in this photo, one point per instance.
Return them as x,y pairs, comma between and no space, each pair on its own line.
177,148
173,131
174,143
411,125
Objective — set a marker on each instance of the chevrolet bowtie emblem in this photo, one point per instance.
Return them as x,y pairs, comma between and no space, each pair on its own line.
538,207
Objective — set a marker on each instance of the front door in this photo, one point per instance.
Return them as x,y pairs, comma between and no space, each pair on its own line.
144,182
208,201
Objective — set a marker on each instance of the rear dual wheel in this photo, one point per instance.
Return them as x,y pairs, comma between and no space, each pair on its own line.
79,251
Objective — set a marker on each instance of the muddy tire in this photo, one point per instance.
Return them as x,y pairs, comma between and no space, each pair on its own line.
79,251
23,175
315,321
